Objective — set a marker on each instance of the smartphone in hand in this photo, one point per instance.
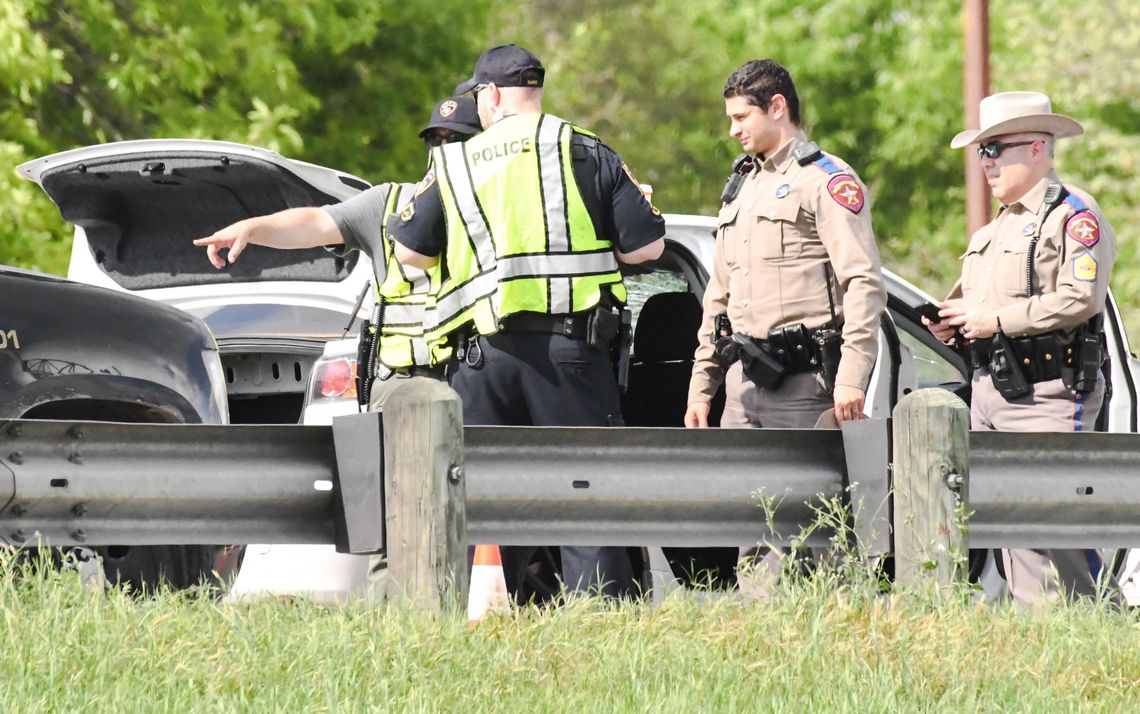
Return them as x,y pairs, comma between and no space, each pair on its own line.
929,310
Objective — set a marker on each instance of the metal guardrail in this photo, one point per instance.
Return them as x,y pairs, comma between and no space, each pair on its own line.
1054,490
131,484
68,483
671,487
134,484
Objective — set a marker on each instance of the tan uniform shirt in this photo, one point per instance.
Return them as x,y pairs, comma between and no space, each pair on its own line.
773,242
1072,264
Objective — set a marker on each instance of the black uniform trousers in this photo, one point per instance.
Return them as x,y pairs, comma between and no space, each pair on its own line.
543,379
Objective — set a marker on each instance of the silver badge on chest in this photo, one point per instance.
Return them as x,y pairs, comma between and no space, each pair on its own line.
1029,229
783,190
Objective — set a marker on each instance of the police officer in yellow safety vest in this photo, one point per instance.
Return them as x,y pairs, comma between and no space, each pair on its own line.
401,292
531,218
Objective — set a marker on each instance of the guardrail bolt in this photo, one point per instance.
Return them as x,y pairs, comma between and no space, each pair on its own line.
79,509
455,474
19,535
16,457
75,432
19,509
75,458
79,535
954,480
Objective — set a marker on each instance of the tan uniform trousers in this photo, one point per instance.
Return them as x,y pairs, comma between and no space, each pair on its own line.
796,404
1035,576
381,391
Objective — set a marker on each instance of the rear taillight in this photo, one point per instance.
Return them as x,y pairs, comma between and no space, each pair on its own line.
336,379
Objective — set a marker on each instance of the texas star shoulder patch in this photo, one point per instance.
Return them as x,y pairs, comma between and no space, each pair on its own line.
408,212
1083,228
426,182
1084,267
847,192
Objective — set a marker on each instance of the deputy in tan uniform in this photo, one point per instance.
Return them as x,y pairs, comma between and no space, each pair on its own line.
795,271
1030,303
791,311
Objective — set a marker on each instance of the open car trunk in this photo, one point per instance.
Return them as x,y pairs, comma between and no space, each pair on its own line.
142,203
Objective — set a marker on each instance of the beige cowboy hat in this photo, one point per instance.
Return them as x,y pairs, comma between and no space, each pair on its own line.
1014,113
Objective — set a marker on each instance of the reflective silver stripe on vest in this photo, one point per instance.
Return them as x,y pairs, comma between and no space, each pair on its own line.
460,299
554,203
559,267
421,353
400,314
468,205
553,187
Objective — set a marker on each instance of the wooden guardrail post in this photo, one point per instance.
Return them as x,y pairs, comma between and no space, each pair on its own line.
931,479
425,495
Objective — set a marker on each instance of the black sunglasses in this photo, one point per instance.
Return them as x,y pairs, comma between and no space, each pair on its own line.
434,140
994,149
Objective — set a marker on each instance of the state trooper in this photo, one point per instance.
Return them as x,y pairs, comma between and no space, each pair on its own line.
531,219
1030,302
401,293
792,308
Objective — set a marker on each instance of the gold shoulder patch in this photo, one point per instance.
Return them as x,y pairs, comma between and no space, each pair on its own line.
408,212
1084,267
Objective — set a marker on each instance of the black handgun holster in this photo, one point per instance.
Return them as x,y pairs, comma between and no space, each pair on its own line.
1005,372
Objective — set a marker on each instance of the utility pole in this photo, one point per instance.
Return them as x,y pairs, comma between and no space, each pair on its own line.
976,85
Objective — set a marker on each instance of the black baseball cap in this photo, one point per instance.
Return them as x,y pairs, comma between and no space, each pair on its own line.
505,66
456,113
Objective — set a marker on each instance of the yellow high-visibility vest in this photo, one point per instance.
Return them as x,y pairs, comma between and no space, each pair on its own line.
519,236
406,294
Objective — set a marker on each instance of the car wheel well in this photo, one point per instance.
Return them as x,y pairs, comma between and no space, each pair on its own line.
102,410
144,568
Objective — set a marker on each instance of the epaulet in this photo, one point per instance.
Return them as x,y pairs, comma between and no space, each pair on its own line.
1076,203
824,162
583,142
807,153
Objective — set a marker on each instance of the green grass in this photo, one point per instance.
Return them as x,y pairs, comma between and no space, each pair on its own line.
65,647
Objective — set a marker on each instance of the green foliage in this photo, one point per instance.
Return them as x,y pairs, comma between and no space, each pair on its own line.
348,84
1084,56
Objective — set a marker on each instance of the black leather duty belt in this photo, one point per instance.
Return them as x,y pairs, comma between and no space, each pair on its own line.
1039,357
573,326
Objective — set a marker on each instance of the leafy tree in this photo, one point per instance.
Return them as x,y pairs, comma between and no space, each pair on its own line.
348,83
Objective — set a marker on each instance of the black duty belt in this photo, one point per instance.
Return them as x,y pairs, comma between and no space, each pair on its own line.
435,372
1040,357
573,326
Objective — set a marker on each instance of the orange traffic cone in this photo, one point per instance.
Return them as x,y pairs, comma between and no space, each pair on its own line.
488,585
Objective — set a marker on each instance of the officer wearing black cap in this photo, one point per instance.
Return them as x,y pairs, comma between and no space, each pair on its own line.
399,348
531,221
453,119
